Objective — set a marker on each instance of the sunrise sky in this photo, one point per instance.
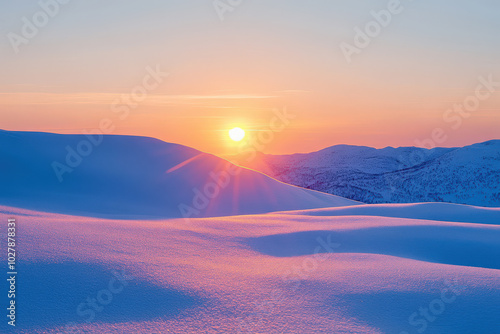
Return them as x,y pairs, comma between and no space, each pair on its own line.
266,55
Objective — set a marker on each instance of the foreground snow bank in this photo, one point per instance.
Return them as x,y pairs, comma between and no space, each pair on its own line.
272,273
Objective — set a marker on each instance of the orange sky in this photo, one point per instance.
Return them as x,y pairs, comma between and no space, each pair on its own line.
238,72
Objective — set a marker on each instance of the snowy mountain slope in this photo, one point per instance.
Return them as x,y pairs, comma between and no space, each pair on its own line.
131,177
468,175
271,273
361,158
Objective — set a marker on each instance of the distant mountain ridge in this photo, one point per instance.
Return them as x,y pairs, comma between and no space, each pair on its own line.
464,175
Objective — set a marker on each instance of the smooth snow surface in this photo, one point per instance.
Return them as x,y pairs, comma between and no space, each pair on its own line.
137,177
298,272
429,211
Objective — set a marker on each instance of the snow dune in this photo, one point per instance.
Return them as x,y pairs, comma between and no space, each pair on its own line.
270,273
440,243
115,256
136,177
429,211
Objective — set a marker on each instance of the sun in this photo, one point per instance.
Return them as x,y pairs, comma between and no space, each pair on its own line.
237,134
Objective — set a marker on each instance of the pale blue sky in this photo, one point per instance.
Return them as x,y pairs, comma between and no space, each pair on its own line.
429,56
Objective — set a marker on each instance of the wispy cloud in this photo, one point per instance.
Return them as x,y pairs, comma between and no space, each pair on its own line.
223,97
27,98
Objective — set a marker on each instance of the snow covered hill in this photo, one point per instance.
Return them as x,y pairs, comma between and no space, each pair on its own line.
132,177
468,175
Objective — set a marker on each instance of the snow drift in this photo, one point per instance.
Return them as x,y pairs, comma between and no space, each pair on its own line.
132,177
272,273
429,211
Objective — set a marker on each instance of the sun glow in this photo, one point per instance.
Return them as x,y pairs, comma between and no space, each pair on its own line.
237,134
